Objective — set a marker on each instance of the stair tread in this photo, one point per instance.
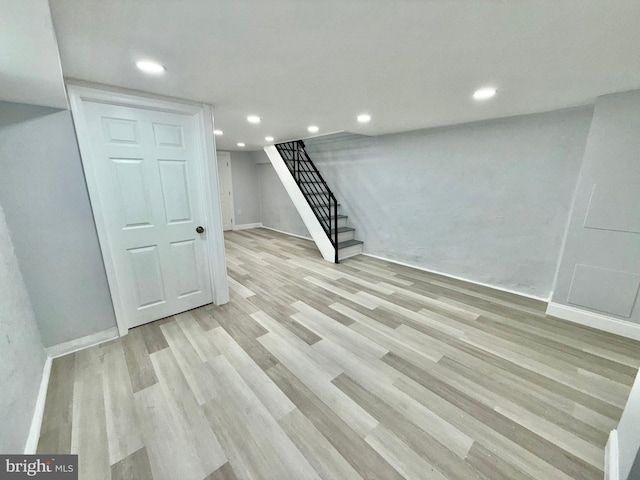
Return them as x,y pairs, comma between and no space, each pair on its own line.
332,217
344,229
349,243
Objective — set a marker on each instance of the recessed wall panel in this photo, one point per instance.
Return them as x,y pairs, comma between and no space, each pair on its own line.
614,208
175,190
168,135
120,130
148,275
184,259
133,192
609,291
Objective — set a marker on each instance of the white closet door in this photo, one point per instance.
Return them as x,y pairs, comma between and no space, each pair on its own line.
148,169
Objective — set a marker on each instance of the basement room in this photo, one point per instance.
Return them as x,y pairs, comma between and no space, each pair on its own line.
292,240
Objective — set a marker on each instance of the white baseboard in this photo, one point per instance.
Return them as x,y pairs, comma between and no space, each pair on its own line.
82,343
287,233
595,320
494,287
36,422
247,226
59,350
611,462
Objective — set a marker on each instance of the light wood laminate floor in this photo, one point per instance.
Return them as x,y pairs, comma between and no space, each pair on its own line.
363,370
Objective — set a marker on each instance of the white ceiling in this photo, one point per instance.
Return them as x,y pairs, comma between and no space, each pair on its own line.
410,64
29,62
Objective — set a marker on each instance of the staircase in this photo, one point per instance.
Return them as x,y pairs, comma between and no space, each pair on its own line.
315,202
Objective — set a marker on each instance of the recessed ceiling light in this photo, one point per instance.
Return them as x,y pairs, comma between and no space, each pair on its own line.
241,144
269,139
364,118
253,119
313,129
484,93
217,132
150,67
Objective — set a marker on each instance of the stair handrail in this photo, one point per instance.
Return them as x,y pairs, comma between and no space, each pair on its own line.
297,169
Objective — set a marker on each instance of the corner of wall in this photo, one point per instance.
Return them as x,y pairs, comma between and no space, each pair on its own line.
569,216
23,357
31,444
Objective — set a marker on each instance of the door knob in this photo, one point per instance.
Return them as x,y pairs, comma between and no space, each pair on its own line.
199,229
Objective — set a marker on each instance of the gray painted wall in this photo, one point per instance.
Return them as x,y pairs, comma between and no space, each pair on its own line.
47,208
260,156
278,211
600,267
22,355
246,188
487,201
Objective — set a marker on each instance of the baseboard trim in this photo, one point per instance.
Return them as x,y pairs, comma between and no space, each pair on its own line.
82,343
287,233
247,226
36,421
494,287
611,461
595,320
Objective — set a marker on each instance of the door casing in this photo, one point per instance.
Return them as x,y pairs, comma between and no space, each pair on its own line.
202,113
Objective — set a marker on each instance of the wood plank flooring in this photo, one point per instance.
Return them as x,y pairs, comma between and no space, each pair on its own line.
363,370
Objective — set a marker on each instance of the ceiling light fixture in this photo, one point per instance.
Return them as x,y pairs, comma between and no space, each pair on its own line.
269,139
484,93
253,119
217,132
241,144
364,118
313,129
150,67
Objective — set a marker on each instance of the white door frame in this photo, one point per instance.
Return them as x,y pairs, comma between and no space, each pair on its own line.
231,203
203,116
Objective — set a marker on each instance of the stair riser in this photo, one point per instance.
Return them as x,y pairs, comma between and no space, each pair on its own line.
342,221
324,210
316,200
344,236
349,251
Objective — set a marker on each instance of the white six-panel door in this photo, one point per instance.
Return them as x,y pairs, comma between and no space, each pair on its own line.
147,167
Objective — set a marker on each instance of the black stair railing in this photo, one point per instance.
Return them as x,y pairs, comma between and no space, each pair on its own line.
315,190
